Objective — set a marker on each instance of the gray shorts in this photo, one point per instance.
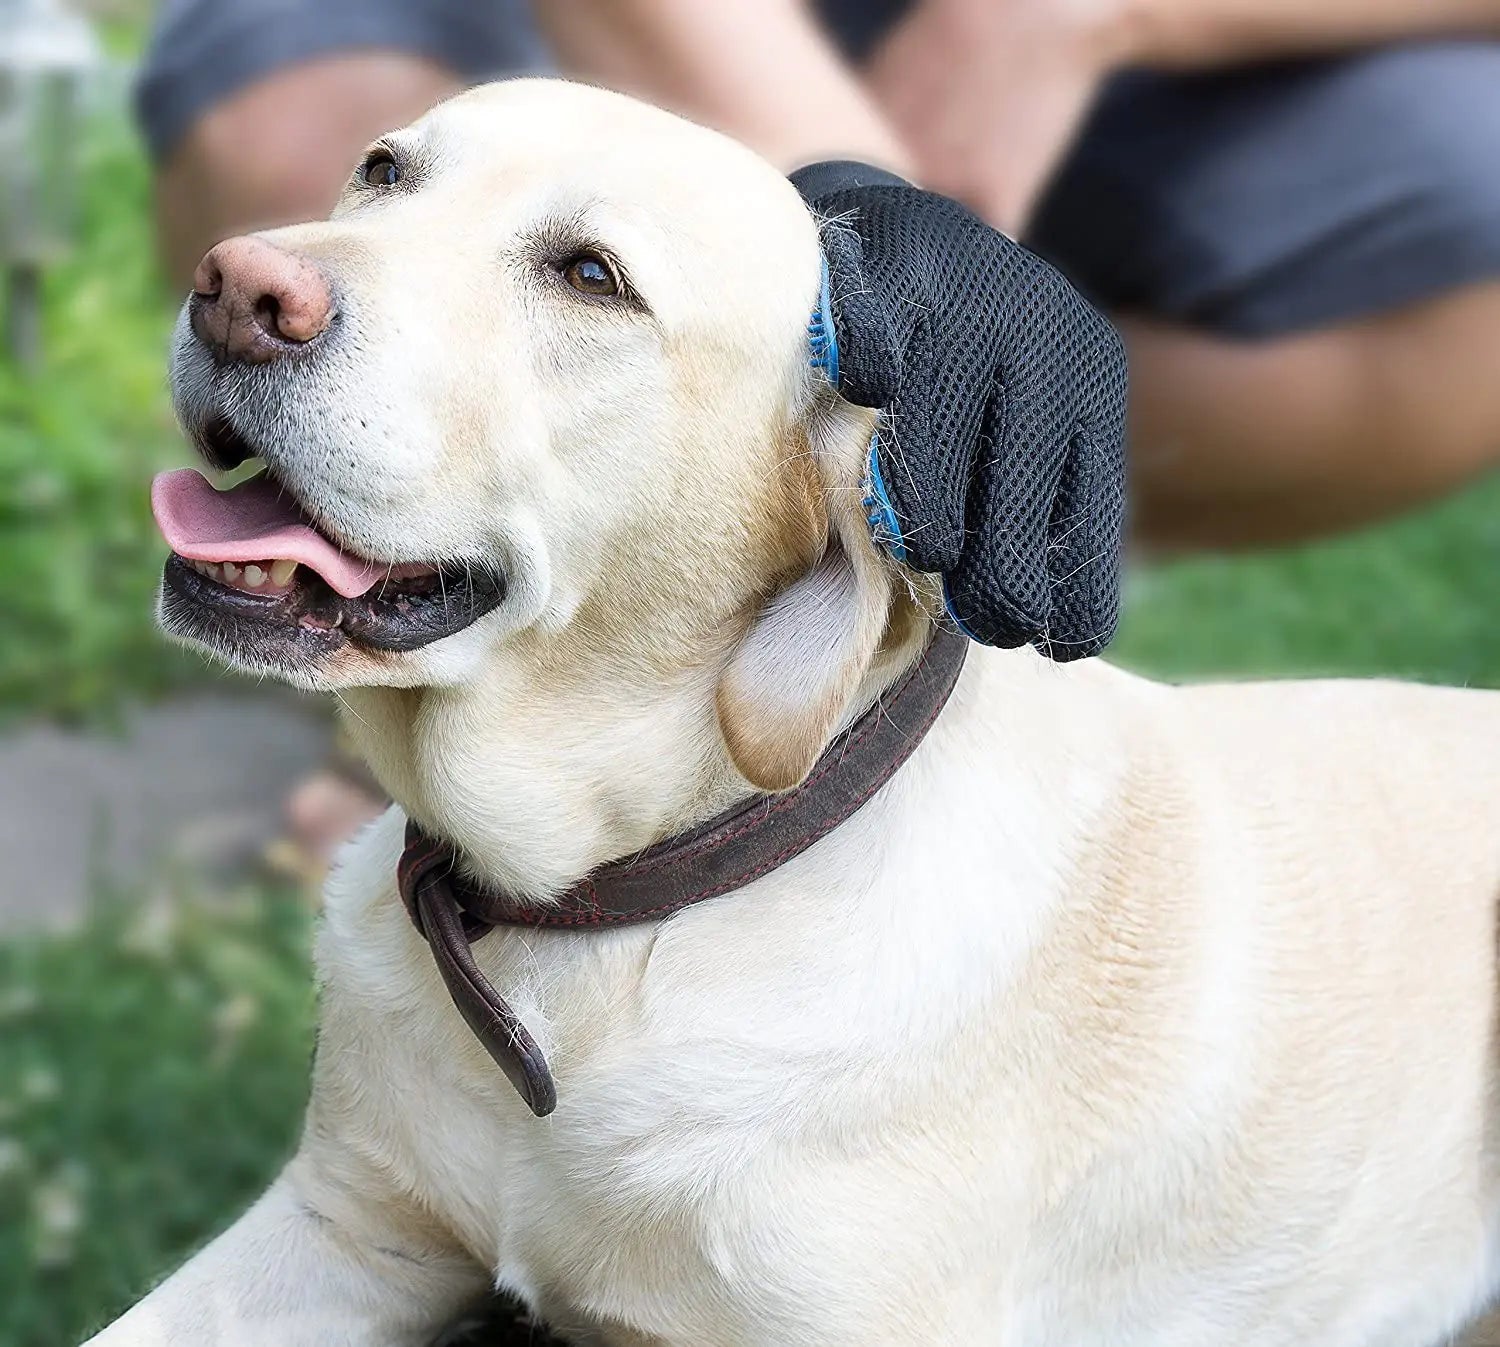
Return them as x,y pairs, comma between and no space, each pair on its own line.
1253,202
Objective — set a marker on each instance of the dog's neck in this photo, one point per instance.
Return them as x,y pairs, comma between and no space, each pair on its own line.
551,765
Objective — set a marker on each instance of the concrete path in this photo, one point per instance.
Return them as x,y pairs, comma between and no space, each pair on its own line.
194,784
1486,1334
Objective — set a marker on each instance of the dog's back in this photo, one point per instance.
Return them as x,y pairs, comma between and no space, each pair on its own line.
1295,904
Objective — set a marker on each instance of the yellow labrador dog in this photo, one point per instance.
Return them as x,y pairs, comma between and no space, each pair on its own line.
1123,1016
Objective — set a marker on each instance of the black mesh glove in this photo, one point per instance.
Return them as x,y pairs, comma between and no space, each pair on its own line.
999,460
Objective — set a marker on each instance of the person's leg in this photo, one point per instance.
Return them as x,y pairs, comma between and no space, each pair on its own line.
1237,444
256,111
278,151
1307,261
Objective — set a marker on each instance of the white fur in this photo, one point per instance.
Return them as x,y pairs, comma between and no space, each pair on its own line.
1124,1016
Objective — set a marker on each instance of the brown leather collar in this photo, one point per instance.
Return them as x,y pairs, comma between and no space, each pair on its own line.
721,855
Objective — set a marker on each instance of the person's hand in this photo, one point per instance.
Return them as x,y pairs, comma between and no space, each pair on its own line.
988,94
999,459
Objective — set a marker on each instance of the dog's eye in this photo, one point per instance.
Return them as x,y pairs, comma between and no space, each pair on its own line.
591,275
379,170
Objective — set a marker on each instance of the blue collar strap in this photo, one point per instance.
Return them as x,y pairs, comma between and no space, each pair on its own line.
878,510
821,337
823,344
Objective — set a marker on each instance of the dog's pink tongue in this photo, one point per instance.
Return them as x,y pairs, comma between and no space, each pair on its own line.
255,521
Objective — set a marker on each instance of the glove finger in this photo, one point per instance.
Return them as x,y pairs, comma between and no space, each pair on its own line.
925,454
999,590
1086,529
1084,538
983,603
815,181
870,345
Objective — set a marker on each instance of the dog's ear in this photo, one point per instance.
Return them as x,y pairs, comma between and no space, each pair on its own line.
809,645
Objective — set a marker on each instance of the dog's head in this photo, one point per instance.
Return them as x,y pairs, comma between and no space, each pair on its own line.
536,413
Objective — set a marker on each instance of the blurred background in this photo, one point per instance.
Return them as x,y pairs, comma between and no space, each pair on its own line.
155,1000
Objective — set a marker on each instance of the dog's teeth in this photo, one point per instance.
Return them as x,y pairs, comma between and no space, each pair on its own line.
281,571
231,572
254,576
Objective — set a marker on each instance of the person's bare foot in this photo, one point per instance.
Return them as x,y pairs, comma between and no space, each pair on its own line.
323,812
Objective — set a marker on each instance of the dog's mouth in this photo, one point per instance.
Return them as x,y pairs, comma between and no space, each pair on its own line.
253,575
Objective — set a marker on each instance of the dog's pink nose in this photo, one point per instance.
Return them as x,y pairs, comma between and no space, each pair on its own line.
253,302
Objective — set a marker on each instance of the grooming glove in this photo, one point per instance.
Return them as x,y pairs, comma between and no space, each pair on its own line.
998,461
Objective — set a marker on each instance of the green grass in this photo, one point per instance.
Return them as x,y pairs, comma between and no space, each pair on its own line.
152,1073
1413,599
78,443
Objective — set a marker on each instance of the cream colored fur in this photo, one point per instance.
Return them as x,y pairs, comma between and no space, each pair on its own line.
1125,1016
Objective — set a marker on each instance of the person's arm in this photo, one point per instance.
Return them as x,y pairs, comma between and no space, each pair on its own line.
760,70
1197,33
